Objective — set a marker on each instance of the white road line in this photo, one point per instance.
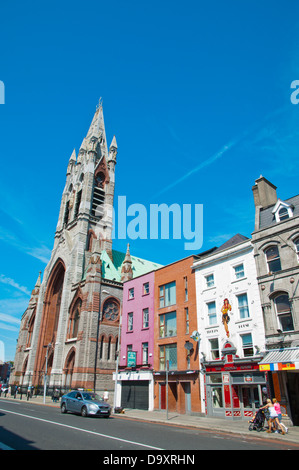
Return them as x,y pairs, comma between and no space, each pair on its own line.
82,430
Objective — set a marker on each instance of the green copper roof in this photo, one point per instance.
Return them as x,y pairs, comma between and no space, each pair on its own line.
112,270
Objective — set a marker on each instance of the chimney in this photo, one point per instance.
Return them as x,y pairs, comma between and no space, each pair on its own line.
264,193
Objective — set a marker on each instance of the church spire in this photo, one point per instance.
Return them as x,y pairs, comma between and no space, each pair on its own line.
126,270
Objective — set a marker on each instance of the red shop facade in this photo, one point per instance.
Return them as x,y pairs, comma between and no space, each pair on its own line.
234,387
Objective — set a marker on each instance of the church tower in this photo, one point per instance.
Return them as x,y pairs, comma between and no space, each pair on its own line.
73,314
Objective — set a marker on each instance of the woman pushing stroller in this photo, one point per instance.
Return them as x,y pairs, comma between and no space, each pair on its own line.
273,416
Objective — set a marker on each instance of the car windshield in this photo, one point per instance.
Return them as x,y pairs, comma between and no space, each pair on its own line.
91,396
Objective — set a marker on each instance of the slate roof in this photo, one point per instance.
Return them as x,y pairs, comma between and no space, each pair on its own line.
267,219
235,240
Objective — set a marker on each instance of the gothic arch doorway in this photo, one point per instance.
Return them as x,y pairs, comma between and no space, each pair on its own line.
50,318
69,368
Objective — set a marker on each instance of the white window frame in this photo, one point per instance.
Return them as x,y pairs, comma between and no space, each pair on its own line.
145,315
130,321
236,278
240,308
214,315
209,283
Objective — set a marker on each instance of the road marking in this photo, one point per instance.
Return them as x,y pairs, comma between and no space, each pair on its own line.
83,430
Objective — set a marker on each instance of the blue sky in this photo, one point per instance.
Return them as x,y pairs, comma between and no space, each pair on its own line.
197,94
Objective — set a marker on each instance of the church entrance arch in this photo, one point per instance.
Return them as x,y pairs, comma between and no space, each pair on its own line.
50,318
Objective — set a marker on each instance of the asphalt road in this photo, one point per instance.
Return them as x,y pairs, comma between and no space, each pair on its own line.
27,426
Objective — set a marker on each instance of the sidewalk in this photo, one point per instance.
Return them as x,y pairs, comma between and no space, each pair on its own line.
174,419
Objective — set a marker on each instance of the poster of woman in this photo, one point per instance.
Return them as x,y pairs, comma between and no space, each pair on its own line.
225,317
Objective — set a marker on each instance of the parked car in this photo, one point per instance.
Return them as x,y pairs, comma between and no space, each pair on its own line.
84,403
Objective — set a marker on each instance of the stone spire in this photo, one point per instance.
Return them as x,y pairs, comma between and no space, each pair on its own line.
72,162
112,151
126,270
96,133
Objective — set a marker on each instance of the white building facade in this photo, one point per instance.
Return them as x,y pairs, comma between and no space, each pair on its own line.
232,336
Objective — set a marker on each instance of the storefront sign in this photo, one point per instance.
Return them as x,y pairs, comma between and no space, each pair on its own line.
131,359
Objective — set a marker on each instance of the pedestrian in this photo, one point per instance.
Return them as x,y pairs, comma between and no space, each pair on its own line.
106,395
279,415
273,417
28,392
9,391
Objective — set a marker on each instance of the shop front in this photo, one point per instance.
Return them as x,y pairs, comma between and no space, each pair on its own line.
282,369
234,388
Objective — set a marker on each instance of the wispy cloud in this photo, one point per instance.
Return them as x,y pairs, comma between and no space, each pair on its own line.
8,320
225,148
12,283
41,253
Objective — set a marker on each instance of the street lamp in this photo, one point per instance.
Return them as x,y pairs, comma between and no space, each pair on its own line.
117,360
46,370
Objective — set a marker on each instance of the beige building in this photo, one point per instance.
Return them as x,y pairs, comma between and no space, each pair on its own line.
276,250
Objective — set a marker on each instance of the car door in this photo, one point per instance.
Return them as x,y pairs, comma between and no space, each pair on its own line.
78,402
71,401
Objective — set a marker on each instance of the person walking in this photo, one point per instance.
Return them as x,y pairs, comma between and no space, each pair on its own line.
279,415
273,416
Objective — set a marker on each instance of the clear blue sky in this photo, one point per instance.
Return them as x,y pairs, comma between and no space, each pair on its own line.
196,92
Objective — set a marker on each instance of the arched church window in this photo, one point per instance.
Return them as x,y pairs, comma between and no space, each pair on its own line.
111,310
30,330
74,320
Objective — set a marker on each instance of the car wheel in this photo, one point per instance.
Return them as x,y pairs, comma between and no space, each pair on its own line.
63,408
84,411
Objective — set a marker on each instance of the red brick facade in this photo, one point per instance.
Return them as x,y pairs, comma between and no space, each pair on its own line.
183,377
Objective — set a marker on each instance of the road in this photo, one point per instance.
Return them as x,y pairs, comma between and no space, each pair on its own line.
28,426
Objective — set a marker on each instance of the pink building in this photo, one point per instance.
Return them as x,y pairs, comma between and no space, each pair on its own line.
135,377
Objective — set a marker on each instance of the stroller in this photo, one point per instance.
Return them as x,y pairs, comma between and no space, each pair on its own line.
257,422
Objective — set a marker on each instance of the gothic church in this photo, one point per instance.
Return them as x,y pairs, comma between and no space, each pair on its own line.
70,330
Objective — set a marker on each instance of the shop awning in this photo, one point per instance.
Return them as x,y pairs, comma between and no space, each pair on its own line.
280,359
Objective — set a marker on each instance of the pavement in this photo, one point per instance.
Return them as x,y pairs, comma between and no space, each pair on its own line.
236,427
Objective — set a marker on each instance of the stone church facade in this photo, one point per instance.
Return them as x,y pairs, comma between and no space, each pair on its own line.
70,330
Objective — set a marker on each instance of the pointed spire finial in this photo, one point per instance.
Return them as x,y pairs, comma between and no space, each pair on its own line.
126,270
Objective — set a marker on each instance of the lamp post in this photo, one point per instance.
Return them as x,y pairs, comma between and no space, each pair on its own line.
117,361
46,370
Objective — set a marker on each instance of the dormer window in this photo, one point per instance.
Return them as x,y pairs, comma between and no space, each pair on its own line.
282,211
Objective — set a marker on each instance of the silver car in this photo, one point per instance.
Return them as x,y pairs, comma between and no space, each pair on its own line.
84,403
